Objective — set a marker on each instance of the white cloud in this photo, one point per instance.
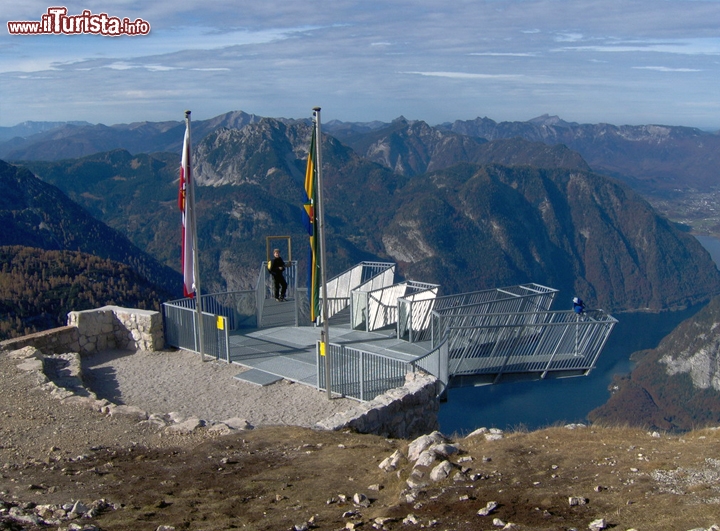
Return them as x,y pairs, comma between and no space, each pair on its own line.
506,54
464,75
509,59
666,69
688,46
569,37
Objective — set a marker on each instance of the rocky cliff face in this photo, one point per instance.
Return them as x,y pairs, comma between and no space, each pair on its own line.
537,215
578,231
676,385
693,349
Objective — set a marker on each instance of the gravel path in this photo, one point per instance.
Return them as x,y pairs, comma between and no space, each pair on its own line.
165,382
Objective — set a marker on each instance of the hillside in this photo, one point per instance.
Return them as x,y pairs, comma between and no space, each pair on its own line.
38,288
653,158
675,386
36,214
414,147
577,231
123,474
468,227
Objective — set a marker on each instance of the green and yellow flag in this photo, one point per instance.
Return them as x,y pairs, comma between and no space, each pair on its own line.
311,224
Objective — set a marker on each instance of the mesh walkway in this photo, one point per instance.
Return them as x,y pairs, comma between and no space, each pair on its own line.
289,352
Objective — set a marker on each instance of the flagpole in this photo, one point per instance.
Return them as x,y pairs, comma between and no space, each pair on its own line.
193,236
325,339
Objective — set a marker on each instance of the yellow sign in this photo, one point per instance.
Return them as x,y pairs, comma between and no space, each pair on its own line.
322,348
220,322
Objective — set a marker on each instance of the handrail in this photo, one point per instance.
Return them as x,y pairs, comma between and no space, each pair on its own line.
530,342
364,375
422,320
378,308
365,276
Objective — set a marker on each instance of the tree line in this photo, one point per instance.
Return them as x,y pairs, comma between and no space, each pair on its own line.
39,287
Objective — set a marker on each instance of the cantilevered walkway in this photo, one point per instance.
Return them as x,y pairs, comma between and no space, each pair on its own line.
379,330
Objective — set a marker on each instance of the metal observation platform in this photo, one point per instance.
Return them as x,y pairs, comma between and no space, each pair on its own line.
379,330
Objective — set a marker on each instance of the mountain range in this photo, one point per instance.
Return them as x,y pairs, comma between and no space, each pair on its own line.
36,214
651,158
72,140
468,205
459,211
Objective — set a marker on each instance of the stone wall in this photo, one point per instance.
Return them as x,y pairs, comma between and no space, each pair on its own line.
112,327
53,341
402,413
109,327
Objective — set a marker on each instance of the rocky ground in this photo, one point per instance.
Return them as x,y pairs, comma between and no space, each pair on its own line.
65,464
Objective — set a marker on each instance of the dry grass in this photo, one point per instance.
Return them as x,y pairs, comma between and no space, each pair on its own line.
279,477
276,478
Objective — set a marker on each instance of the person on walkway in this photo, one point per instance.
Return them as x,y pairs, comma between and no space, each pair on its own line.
578,305
277,267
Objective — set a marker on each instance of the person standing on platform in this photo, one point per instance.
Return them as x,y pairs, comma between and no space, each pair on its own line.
277,267
578,306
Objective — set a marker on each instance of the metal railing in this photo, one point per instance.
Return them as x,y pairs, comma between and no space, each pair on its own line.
182,331
437,363
362,375
365,276
376,309
542,295
532,342
468,309
266,285
238,307
414,314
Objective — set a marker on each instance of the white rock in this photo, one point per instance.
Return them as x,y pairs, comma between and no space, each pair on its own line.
410,519
361,499
441,471
479,431
188,426
422,443
237,423
391,463
79,508
489,508
444,450
427,458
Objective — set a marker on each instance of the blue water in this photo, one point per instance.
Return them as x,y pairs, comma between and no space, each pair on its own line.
539,404
712,245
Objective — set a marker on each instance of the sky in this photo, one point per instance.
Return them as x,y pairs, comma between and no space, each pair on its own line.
588,61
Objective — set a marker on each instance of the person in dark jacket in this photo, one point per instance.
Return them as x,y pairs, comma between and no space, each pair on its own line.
277,267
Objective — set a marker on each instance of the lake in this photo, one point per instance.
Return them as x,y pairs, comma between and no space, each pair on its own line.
535,405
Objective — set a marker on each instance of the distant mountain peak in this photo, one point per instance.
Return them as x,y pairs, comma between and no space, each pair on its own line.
554,120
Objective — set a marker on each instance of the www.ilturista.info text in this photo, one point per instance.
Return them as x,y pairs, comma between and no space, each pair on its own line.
57,21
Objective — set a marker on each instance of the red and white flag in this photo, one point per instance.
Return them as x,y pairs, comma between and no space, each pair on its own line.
185,198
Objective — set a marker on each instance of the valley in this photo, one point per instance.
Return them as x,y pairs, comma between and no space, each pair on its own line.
700,211
447,204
